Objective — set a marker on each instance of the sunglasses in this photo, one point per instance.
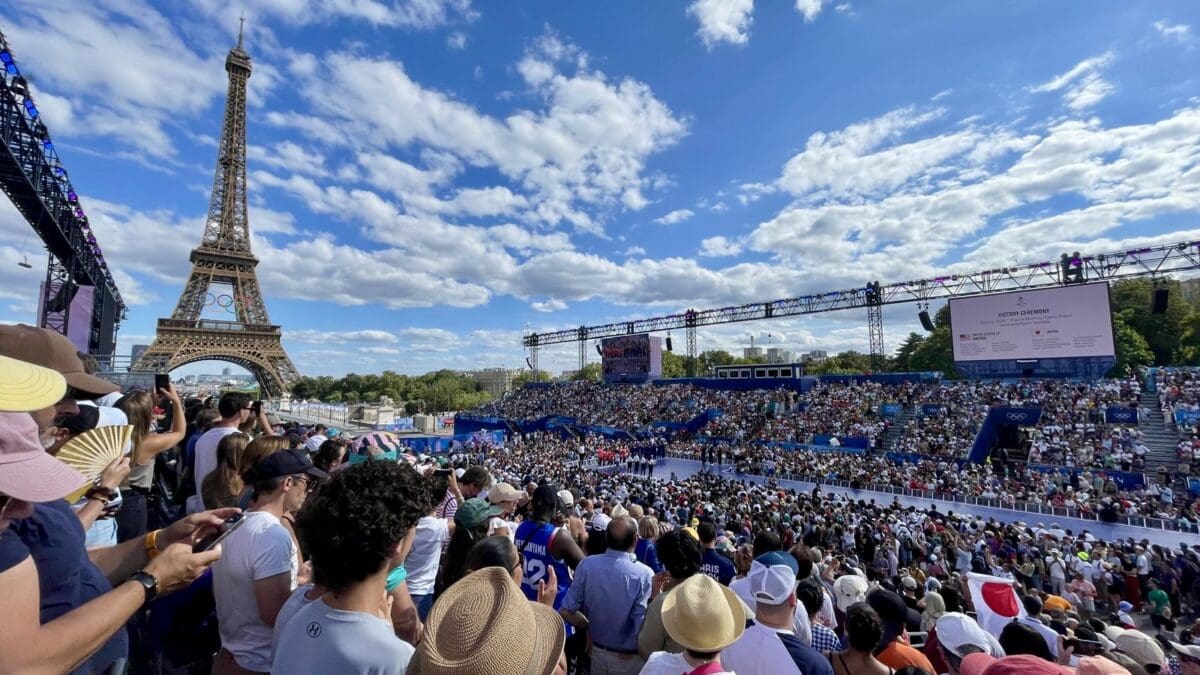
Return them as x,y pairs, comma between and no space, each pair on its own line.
5,500
310,484
520,562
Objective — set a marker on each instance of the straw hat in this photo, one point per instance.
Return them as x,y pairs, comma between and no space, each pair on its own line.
484,625
25,387
702,615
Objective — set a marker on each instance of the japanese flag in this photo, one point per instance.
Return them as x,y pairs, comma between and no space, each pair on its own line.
996,601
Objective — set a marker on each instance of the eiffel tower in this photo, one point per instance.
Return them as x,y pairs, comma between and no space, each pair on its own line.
223,277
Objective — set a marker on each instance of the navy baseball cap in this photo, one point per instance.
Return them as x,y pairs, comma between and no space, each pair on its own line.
289,462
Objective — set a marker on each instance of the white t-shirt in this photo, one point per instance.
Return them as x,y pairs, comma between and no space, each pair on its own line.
422,561
259,549
321,639
205,461
666,663
497,523
297,601
759,650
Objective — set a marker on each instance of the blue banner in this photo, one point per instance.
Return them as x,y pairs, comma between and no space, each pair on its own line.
1194,487
1188,417
1121,415
890,409
932,409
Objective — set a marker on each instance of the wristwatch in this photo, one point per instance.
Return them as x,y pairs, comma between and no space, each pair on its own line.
148,582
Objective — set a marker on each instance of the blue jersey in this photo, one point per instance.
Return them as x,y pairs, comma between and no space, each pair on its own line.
533,541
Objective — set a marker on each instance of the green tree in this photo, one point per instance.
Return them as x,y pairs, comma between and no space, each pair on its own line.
902,361
935,353
351,397
674,365
590,372
1164,333
1132,349
527,376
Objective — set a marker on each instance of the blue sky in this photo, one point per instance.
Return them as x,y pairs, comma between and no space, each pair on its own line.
428,178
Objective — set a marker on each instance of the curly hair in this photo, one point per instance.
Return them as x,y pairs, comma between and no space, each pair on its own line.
864,628
351,527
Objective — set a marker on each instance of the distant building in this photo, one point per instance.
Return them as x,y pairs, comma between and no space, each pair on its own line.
816,355
495,381
752,353
1190,290
226,371
777,355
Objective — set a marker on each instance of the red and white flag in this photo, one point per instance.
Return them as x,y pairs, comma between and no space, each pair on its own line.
996,601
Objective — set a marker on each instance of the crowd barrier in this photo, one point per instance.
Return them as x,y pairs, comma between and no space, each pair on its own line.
951,497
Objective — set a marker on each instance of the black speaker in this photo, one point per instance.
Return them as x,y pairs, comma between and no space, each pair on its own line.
926,322
669,344
1158,302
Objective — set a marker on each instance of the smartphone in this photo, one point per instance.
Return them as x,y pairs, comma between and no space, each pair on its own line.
441,472
162,381
257,407
227,528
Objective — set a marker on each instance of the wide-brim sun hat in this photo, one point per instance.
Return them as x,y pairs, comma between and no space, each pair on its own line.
27,471
703,615
476,626
25,387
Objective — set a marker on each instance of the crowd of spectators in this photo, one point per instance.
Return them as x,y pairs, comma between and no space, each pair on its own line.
1090,493
305,552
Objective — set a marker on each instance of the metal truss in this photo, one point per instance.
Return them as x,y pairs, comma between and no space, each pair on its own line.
1154,261
33,177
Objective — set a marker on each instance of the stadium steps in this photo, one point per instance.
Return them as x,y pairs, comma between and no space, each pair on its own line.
907,414
1160,439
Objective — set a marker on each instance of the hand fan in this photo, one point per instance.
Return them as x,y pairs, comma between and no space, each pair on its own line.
92,451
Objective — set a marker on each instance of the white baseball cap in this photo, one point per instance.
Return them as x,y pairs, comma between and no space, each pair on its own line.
773,577
956,630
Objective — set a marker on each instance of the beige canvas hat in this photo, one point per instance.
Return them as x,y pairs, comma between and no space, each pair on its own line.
484,625
702,615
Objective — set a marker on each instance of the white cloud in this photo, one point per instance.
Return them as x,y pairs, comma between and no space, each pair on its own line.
551,305
719,207
327,337
409,14
1180,32
586,148
1083,86
634,251
118,70
843,8
723,20
1002,185
715,247
676,216
810,9
457,40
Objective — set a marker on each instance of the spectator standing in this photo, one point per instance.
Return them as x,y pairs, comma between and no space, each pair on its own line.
223,486
356,530
484,626
769,645
893,650
714,564
645,551
608,597
424,557
864,629
681,555
138,407
704,617
235,409
258,571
